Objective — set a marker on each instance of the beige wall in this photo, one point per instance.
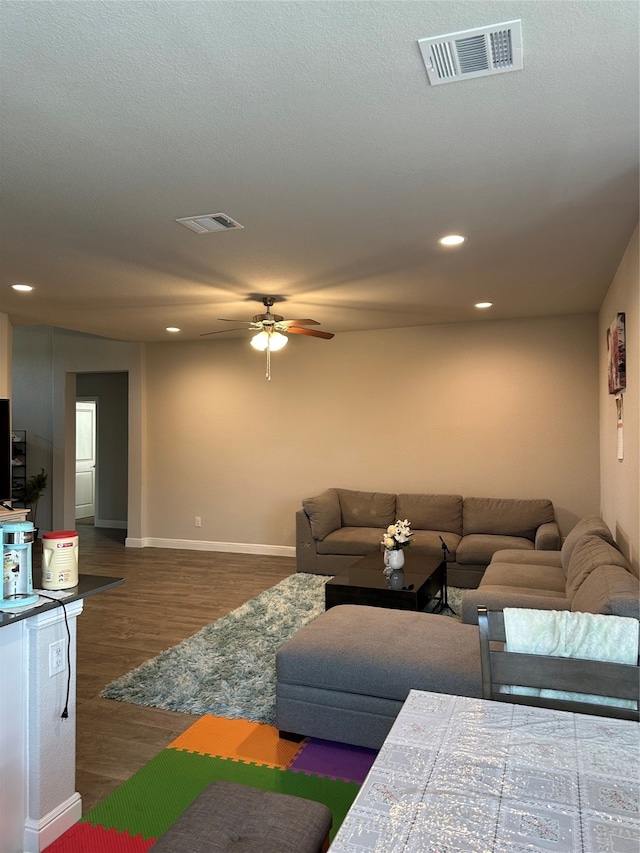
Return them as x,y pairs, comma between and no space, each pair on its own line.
506,408
620,480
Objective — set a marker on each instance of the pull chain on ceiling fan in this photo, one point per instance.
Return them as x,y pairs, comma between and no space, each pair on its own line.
272,330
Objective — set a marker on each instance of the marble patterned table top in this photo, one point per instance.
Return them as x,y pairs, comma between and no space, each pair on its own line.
461,774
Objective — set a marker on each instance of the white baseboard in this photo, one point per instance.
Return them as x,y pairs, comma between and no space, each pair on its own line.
197,545
39,834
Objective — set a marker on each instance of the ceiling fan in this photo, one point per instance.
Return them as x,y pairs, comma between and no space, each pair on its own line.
272,330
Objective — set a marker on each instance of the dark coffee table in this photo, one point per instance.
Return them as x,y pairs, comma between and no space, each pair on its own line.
364,583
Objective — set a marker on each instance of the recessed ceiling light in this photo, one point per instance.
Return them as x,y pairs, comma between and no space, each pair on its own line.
23,288
484,304
172,329
452,240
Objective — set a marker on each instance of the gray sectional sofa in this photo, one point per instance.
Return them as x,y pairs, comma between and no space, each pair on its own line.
337,527
345,675
588,574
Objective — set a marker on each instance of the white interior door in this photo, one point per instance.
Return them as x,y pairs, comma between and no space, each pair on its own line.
85,458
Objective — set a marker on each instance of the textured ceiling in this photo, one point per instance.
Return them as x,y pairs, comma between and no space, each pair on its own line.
313,124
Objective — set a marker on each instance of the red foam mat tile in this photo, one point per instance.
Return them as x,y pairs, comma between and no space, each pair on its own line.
85,838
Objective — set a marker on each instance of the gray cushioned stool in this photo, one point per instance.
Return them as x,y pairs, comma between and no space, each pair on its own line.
227,816
345,675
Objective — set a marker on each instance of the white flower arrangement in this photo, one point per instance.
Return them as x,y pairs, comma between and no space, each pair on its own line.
398,535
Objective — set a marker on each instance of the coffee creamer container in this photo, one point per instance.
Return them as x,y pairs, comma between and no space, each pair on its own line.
60,559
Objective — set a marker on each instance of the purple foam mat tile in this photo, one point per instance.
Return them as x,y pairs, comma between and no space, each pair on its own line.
335,760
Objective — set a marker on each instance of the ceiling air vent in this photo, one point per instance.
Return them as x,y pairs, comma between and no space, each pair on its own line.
209,223
473,53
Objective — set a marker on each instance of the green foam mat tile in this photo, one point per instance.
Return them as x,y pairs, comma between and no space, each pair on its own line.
154,797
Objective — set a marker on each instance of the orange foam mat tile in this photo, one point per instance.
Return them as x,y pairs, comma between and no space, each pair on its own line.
239,740
85,838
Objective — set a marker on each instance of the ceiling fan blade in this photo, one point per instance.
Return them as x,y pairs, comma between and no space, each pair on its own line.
300,322
315,333
222,331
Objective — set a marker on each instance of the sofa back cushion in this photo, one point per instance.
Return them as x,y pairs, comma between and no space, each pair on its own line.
324,513
432,512
589,552
366,509
506,516
611,590
591,524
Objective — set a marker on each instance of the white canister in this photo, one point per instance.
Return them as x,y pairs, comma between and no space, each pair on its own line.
59,559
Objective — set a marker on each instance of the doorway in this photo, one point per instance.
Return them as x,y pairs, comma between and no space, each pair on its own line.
86,431
102,433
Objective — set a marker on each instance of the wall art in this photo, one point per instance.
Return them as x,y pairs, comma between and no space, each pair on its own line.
616,355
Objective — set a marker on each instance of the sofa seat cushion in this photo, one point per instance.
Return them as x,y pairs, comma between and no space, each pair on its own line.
527,576
530,558
366,509
351,541
428,542
480,548
495,597
590,552
324,513
431,512
611,590
506,516
374,651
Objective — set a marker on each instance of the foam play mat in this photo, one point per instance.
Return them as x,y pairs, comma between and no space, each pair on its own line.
133,816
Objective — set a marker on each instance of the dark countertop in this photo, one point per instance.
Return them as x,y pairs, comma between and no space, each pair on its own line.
87,585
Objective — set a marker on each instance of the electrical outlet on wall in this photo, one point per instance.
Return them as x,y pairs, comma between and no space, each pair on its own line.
198,521
56,657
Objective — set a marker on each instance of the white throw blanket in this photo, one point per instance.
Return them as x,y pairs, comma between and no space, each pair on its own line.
565,634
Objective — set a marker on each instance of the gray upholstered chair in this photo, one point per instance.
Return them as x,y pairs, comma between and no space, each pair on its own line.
502,669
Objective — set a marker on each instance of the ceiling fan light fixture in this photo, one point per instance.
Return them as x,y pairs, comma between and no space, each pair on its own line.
269,328
274,340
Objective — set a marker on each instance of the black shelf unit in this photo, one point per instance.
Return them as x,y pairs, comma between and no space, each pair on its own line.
18,466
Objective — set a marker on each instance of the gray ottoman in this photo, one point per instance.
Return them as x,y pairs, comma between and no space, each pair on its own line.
228,816
345,676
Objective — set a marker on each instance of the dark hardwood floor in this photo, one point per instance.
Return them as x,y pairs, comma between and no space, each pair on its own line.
167,596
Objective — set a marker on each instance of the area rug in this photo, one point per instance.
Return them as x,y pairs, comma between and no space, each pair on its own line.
229,667
131,818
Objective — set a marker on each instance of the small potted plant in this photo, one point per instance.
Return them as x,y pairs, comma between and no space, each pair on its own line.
33,489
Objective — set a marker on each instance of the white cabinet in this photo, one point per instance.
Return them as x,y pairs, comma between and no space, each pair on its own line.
37,747
38,800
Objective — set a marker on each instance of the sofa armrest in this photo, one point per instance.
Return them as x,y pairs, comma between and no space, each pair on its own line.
548,537
306,556
323,512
